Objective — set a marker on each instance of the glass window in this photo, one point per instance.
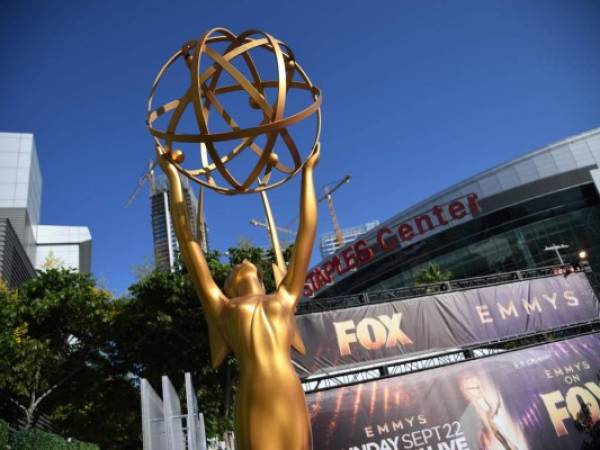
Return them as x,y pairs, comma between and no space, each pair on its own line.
518,241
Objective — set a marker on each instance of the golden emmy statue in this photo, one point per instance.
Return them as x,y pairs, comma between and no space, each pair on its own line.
259,328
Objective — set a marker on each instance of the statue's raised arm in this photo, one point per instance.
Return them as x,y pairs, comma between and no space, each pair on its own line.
293,283
211,296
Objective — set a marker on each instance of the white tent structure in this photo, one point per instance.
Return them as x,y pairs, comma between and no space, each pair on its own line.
164,426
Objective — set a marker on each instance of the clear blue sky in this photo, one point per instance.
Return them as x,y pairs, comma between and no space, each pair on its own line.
417,95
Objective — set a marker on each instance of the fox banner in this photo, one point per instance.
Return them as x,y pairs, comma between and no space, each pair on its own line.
348,337
542,398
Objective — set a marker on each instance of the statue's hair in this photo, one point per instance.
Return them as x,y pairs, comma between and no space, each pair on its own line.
233,278
231,281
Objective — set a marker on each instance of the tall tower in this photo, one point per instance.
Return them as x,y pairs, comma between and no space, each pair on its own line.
166,248
329,243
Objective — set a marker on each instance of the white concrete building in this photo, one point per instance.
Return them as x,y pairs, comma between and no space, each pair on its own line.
24,242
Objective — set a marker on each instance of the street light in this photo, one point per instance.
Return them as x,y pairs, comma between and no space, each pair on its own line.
582,254
555,248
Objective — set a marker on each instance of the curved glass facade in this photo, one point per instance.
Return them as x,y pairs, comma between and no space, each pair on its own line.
499,220
509,239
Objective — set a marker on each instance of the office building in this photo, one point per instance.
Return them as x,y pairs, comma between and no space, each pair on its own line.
329,244
166,248
24,242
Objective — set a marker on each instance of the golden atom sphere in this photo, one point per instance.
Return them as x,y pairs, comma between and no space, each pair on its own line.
224,56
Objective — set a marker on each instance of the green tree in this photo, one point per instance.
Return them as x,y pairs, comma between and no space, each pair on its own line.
70,351
432,274
55,347
50,331
159,330
262,259
52,262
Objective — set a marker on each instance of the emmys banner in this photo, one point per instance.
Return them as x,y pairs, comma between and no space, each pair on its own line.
542,398
349,337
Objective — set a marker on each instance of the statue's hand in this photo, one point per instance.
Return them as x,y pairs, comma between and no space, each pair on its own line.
167,159
313,160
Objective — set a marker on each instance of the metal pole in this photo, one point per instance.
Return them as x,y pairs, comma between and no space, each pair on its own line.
555,248
201,235
273,233
562,263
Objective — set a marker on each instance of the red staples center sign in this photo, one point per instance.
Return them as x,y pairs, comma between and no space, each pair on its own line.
389,238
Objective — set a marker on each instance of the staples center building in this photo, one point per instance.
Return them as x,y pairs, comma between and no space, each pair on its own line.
497,221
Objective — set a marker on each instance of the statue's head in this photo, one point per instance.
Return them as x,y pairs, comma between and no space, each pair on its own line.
244,279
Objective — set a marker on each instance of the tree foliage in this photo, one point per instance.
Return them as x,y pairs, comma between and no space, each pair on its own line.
432,274
160,330
51,331
262,259
54,341
53,262
71,352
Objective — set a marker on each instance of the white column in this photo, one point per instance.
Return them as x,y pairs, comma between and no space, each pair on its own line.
153,431
172,412
195,422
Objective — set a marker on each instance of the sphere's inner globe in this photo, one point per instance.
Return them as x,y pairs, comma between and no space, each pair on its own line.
236,106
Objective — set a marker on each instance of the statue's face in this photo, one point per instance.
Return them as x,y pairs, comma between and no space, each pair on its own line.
244,280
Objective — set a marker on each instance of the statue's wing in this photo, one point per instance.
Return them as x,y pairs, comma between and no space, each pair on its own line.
297,342
277,274
218,346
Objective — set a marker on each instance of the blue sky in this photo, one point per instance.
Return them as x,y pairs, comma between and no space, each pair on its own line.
417,95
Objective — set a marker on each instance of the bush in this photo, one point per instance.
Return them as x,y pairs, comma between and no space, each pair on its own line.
38,440
3,435
84,446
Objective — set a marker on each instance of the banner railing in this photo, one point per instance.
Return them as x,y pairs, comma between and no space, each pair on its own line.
347,301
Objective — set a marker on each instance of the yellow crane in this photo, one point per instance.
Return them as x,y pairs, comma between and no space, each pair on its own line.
265,225
328,191
148,176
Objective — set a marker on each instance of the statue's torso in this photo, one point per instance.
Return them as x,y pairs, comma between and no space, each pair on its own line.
258,328
270,409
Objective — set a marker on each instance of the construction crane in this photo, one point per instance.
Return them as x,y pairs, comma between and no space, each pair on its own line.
258,223
201,227
328,191
148,176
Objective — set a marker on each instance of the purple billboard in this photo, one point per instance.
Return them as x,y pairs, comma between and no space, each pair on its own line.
355,336
542,398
